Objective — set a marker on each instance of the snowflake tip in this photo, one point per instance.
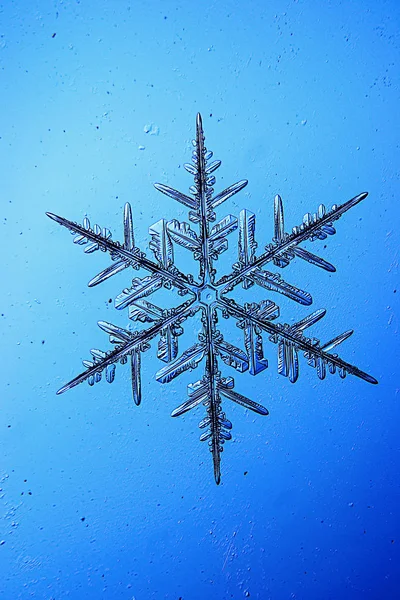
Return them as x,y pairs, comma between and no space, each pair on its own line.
55,218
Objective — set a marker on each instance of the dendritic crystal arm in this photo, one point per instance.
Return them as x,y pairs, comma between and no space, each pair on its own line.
126,255
212,388
284,247
290,340
211,241
128,344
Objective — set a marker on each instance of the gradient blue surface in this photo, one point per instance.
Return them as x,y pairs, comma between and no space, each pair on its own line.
100,499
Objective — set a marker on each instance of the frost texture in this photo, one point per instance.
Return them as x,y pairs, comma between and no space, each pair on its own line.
208,299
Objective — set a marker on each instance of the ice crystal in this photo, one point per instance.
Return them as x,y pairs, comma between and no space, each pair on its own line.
209,298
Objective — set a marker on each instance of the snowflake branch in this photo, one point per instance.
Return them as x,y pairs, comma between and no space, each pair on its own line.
285,246
128,343
123,255
292,336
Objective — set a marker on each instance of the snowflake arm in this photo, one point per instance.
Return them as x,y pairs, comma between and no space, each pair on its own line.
128,344
284,247
212,242
211,389
126,255
290,340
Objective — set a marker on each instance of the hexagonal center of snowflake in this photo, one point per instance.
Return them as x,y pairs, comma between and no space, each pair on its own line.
207,294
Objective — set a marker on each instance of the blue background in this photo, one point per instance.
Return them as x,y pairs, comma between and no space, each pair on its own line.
101,499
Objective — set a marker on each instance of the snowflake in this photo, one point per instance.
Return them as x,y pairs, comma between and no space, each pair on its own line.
207,297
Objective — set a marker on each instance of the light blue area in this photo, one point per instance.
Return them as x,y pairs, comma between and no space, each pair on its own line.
99,498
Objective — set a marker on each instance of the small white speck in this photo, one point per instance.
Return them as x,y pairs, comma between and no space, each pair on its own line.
151,129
